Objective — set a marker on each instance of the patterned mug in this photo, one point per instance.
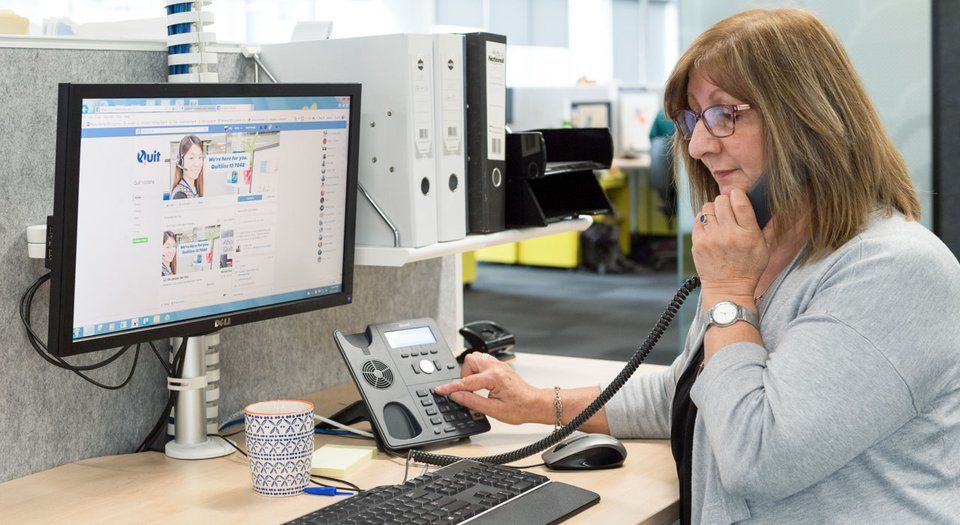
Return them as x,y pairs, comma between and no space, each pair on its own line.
280,445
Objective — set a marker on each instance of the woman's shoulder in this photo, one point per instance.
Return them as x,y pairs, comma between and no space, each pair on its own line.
890,253
906,243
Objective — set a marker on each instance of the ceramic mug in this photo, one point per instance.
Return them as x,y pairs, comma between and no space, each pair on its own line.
279,438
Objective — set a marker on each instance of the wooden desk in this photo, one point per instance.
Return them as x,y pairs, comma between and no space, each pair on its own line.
152,488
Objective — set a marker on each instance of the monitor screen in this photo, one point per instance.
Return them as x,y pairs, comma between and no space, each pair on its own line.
244,201
638,110
590,114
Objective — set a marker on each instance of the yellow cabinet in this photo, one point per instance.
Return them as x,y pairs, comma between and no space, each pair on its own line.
469,267
503,253
561,250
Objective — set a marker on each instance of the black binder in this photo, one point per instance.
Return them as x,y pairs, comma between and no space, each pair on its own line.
486,117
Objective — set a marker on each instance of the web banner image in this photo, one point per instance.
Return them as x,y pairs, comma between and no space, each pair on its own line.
241,200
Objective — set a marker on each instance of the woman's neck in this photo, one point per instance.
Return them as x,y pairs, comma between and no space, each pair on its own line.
782,253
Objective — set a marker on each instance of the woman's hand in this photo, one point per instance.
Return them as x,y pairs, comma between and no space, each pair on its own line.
729,249
511,399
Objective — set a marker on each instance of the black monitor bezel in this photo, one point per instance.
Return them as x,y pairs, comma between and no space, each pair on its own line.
62,251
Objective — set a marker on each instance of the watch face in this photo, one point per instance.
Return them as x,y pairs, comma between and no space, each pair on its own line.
724,313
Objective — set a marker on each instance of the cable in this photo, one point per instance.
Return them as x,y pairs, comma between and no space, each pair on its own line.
163,362
231,443
26,307
336,480
341,426
171,400
666,318
235,418
341,433
406,466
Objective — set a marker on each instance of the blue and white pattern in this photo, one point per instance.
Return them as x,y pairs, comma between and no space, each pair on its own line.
280,447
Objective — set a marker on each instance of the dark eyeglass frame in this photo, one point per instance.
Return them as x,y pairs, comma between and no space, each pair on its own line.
734,109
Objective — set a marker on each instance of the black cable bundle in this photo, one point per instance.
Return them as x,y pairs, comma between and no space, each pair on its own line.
174,371
26,305
666,318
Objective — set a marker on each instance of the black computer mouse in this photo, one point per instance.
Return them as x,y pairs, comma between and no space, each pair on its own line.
585,452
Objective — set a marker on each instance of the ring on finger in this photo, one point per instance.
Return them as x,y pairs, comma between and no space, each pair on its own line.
703,217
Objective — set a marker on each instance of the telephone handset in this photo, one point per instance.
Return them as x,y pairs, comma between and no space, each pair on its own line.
759,198
396,366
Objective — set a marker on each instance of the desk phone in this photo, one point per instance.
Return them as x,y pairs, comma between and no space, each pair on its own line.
395,367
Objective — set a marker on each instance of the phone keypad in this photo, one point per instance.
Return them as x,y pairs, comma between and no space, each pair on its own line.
445,418
456,418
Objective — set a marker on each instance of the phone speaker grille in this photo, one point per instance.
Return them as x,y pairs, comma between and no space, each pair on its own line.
377,373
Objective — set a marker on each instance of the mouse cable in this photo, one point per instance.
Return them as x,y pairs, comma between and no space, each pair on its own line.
26,307
666,318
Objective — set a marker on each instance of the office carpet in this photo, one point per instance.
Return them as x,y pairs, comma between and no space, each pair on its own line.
574,313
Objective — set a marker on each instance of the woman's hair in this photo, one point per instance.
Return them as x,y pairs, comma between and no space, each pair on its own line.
185,144
826,150
173,263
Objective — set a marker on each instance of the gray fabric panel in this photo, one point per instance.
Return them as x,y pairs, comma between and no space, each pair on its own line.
51,417
946,108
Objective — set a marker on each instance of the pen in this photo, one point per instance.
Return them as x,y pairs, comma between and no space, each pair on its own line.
327,491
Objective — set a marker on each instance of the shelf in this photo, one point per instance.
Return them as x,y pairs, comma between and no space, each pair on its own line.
388,256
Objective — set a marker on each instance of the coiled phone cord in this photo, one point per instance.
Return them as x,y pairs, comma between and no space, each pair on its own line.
666,318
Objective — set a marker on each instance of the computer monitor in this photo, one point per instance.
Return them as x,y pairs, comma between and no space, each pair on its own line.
245,193
638,110
590,114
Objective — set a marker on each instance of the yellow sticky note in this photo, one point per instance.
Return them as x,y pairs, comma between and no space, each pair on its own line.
337,461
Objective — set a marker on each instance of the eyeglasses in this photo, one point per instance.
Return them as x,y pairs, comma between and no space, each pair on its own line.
720,120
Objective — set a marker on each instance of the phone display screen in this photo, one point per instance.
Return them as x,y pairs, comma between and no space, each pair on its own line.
410,337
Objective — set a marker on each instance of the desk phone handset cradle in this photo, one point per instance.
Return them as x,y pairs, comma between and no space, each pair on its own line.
758,196
487,337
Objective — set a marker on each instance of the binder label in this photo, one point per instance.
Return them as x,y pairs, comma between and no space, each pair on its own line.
496,99
451,87
422,105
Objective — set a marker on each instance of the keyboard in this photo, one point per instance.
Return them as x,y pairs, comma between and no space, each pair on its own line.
464,492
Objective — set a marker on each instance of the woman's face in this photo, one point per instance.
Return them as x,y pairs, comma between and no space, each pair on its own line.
192,163
735,161
169,250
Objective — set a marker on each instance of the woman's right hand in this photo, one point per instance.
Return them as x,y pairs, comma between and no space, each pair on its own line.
510,398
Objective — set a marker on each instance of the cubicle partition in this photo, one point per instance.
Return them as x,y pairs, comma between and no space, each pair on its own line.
50,416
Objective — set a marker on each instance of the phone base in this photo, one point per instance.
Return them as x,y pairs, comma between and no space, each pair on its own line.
355,413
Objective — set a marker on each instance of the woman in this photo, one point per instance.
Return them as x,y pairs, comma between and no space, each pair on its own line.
188,171
844,405
168,258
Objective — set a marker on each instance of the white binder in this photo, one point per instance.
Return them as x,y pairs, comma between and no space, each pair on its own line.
397,148
451,145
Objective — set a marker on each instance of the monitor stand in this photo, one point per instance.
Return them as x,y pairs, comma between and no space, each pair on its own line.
190,426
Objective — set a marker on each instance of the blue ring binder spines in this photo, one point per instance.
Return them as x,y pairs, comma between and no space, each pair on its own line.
178,29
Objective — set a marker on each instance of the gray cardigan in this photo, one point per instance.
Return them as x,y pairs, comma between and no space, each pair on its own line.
849,413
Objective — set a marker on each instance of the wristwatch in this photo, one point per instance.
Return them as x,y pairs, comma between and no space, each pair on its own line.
726,313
